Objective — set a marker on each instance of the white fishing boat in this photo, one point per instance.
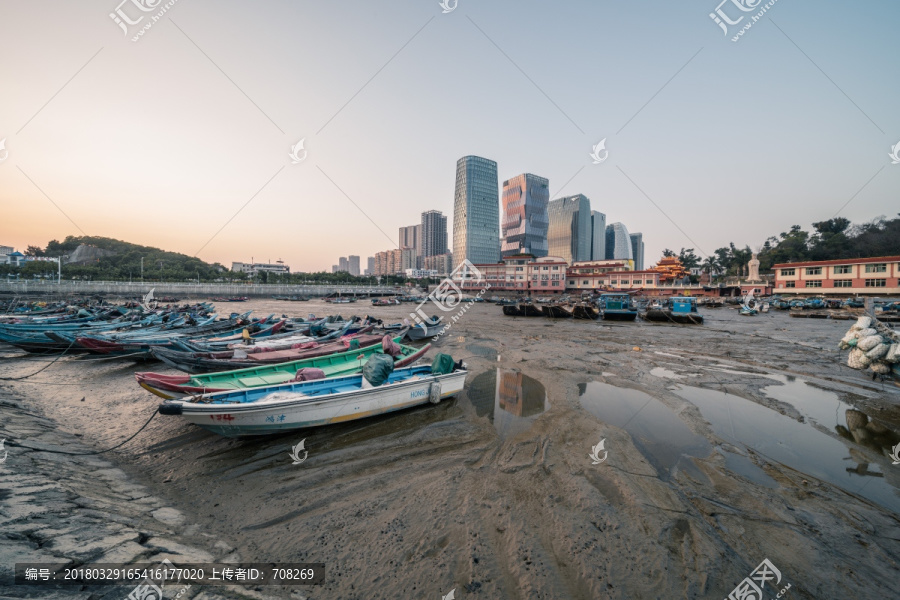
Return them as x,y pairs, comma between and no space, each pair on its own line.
275,409
426,329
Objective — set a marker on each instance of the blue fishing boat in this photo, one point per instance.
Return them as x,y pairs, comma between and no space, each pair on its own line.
617,307
814,303
276,409
678,309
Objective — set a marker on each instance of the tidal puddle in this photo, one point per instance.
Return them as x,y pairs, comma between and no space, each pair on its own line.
482,351
656,430
664,373
511,400
822,406
801,446
746,468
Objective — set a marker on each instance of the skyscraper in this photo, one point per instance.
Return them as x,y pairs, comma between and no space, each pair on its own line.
409,237
476,211
343,264
353,264
525,217
637,250
618,242
433,233
569,234
598,235
370,265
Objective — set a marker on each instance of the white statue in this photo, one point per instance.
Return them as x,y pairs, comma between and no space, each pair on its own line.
754,268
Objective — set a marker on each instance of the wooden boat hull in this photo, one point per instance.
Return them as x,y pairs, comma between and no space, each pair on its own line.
334,365
585,312
615,315
421,332
511,310
556,312
658,315
291,407
217,362
529,310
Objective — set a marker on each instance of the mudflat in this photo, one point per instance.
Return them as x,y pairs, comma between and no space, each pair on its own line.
725,444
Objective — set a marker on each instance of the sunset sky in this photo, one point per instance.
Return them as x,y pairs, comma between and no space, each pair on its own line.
162,141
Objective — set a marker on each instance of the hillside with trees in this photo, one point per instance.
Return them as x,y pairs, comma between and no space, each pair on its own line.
107,259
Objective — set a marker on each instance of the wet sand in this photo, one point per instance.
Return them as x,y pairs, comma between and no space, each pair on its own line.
728,443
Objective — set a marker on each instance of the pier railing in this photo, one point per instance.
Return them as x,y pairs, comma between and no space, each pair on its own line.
190,290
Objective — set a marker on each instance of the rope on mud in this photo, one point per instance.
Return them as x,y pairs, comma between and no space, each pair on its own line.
144,426
90,358
42,368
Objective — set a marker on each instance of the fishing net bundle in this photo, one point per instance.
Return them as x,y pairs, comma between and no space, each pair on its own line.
872,344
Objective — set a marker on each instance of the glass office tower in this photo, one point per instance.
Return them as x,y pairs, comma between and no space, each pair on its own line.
637,250
598,235
618,242
476,211
525,217
569,235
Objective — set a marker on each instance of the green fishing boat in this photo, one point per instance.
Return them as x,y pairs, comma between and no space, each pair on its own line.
332,365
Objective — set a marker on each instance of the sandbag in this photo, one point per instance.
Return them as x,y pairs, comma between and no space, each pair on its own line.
857,359
867,343
378,368
390,347
893,354
880,368
863,323
309,374
878,351
442,364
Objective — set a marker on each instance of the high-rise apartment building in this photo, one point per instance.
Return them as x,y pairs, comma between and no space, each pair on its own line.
476,211
618,242
370,266
637,250
598,235
433,234
409,236
569,234
353,262
343,264
525,217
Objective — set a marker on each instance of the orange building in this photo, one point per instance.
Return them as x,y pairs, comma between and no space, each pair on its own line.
669,269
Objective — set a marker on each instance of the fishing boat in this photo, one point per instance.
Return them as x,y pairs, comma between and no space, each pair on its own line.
385,302
269,410
333,365
586,311
243,357
814,303
511,310
556,311
530,310
617,307
678,309
426,329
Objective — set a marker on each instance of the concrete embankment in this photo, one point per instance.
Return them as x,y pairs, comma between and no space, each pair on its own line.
56,508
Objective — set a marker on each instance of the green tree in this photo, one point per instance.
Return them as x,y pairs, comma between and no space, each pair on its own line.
688,259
